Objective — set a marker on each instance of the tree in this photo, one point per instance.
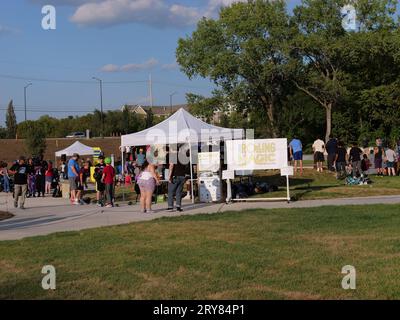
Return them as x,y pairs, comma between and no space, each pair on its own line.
242,52
11,121
35,140
324,49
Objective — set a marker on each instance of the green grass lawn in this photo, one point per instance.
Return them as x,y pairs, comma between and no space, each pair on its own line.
259,254
314,185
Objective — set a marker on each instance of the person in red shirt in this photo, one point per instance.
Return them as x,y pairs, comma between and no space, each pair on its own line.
108,180
49,178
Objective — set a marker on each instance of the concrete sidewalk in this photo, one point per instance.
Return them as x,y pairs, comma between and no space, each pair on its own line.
48,215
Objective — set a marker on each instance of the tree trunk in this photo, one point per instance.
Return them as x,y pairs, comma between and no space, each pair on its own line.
328,109
270,113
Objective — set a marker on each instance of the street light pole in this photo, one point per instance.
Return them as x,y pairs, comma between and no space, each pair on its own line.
26,87
101,104
170,100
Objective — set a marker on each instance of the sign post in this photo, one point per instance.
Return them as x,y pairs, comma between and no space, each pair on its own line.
261,154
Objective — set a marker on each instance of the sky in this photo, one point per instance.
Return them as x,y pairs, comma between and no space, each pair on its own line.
121,42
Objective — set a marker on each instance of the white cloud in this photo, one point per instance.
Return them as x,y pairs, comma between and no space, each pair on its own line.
131,67
151,12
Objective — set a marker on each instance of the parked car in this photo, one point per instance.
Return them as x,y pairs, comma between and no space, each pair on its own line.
76,135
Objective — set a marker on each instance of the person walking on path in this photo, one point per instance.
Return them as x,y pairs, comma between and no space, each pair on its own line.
331,148
319,149
73,175
108,180
296,152
20,171
355,159
147,180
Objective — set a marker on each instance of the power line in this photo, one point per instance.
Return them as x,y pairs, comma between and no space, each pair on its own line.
6,76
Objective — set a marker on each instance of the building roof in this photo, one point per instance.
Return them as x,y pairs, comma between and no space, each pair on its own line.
157,110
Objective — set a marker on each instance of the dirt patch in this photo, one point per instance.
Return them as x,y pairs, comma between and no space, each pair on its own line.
5,215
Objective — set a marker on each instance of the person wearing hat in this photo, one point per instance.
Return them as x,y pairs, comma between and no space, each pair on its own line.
73,175
100,187
20,171
108,180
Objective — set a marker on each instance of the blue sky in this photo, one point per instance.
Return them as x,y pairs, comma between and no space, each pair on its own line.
115,40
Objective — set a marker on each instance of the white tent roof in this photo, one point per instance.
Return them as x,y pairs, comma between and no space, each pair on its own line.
181,127
76,147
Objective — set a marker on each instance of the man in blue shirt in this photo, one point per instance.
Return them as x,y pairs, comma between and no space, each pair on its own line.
296,152
73,175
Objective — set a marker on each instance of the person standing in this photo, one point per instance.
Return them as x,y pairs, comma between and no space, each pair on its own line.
20,171
6,177
391,158
176,182
340,161
140,157
73,175
147,180
100,187
355,159
319,149
379,153
31,179
49,177
296,152
108,180
331,148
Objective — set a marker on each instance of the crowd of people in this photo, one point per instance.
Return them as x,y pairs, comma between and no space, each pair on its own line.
344,160
35,177
39,178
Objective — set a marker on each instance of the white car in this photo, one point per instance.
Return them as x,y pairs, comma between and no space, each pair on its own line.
76,135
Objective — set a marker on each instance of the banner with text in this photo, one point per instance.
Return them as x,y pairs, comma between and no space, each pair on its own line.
257,154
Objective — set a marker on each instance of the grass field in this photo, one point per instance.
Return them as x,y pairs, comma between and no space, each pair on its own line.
314,185
259,254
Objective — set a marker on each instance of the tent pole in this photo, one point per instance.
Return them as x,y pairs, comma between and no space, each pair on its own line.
191,172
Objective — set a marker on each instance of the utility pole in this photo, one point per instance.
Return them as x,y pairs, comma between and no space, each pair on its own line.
26,87
101,104
170,100
151,90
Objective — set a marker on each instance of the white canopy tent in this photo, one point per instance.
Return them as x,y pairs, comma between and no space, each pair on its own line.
78,148
181,127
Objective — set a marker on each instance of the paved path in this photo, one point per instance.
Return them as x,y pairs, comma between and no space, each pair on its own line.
46,216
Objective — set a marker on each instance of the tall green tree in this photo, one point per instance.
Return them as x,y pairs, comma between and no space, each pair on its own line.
11,121
325,51
35,141
242,52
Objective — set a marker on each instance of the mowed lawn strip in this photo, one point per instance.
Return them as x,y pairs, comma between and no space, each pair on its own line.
313,185
257,254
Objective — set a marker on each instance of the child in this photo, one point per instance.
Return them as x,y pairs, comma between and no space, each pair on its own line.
108,180
365,165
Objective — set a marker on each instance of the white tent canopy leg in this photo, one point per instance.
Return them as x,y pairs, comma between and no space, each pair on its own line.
191,172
